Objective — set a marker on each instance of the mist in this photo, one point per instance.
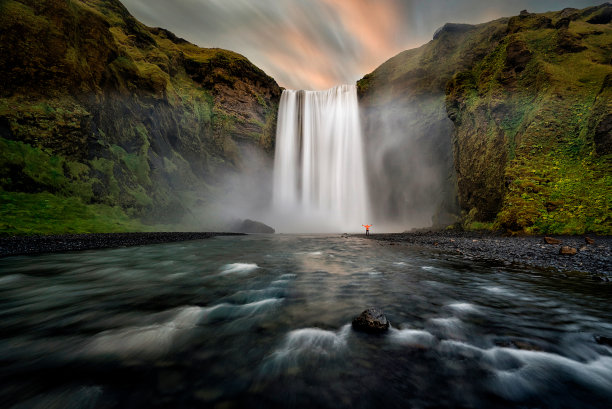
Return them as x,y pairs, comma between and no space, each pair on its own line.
409,165
242,192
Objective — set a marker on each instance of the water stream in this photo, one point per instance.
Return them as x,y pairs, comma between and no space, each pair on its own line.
319,171
264,322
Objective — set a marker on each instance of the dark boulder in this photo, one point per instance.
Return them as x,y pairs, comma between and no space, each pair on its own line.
601,340
372,320
252,226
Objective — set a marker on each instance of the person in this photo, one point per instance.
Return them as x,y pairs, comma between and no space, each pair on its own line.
367,226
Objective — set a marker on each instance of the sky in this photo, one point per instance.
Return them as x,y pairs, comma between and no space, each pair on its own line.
317,44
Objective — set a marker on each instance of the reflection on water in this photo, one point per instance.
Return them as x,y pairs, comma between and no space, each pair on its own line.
265,322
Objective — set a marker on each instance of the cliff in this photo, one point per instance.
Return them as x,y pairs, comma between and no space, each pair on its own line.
521,106
109,125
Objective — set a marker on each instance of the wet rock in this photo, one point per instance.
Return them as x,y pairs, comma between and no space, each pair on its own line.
601,340
253,226
372,320
589,240
567,250
550,240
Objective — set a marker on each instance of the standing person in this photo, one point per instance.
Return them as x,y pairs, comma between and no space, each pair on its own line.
367,226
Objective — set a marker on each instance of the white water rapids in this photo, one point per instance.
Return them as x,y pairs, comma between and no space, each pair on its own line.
319,170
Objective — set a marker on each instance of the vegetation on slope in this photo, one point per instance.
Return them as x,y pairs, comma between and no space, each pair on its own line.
533,126
530,102
115,125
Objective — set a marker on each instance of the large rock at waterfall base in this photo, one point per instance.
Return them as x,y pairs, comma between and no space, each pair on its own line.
372,320
252,226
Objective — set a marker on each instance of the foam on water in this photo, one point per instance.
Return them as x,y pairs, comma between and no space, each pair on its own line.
497,289
412,337
11,278
248,296
521,374
306,346
451,327
239,268
463,307
225,311
145,341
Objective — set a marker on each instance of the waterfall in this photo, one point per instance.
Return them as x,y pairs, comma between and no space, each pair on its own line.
319,176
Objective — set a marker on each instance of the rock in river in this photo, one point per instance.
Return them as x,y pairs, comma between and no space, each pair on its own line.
372,320
253,226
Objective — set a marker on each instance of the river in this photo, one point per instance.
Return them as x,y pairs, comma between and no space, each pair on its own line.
264,322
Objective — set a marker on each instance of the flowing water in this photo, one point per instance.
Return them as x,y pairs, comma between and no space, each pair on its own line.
264,322
319,175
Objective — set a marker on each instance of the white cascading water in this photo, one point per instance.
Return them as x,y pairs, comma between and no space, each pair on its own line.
319,170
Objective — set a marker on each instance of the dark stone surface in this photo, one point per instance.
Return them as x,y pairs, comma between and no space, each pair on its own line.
20,245
601,340
372,320
253,226
529,251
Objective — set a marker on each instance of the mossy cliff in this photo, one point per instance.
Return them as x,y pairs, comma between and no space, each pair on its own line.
530,100
109,125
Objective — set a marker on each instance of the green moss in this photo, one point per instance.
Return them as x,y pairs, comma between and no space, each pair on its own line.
106,167
86,70
46,213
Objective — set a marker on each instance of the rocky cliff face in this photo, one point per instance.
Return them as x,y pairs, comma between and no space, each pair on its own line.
529,100
108,120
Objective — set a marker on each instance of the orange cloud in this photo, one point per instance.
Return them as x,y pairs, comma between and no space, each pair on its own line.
374,24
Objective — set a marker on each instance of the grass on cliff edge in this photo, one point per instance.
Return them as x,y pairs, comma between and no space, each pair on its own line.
46,213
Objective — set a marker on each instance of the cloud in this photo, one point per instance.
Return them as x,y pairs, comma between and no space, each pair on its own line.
316,44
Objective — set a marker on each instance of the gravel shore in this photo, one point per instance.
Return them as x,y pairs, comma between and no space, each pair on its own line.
595,258
18,245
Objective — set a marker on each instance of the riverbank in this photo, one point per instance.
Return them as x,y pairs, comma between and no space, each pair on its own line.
595,258
22,245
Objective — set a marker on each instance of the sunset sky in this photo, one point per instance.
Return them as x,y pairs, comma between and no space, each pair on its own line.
316,44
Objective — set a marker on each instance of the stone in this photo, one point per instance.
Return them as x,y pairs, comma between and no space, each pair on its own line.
550,240
372,320
253,226
601,340
567,250
589,240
